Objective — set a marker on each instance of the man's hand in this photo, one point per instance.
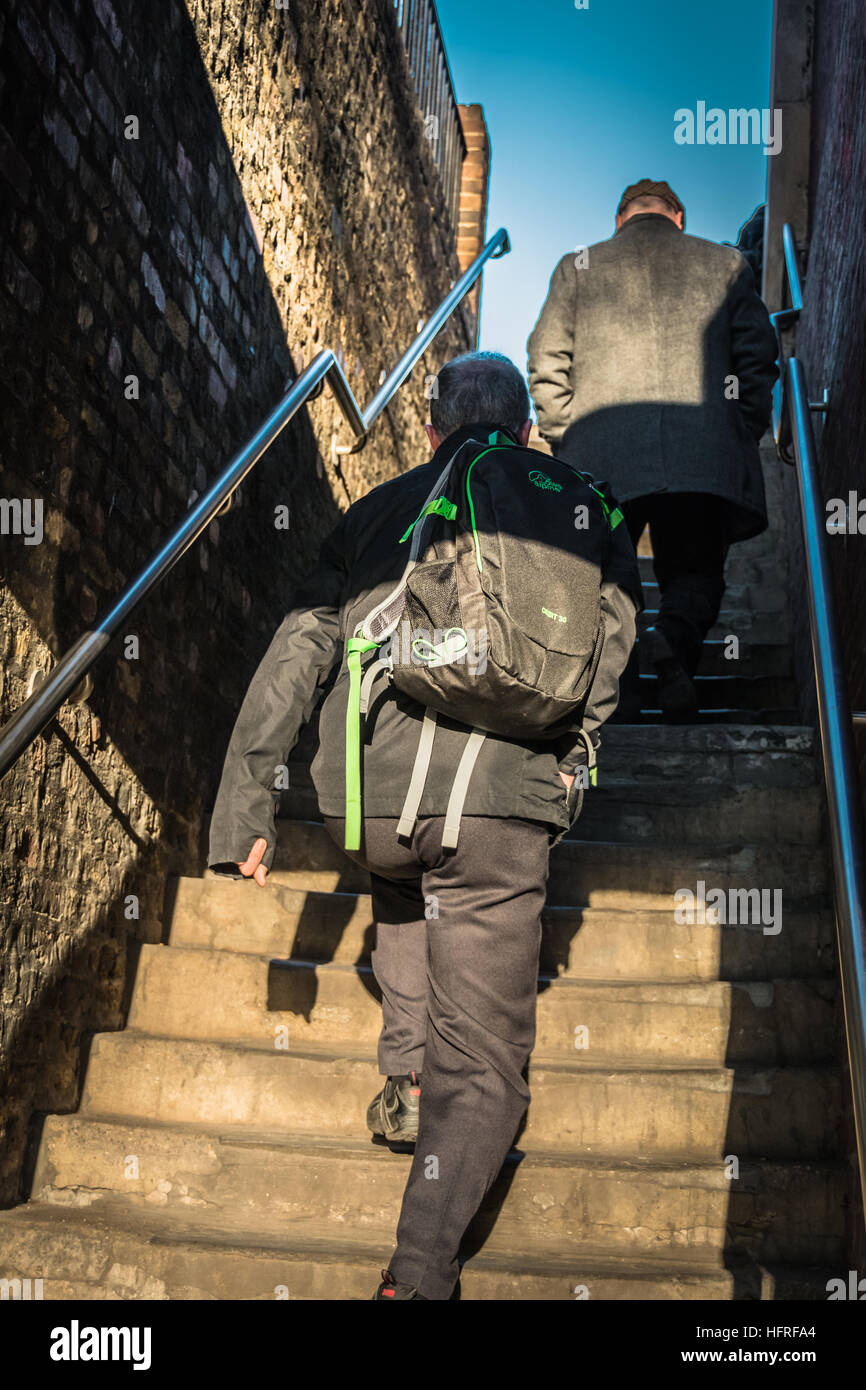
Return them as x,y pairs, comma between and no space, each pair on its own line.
568,778
254,868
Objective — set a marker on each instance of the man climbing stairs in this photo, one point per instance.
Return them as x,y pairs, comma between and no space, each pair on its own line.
684,1139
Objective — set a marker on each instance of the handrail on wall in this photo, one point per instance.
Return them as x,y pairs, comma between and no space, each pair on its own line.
847,837
38,709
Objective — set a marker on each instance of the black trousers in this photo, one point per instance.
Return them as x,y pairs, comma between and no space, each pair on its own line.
458,934
688,532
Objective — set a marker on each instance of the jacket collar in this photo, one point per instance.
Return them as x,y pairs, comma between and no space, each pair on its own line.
457,438
646,217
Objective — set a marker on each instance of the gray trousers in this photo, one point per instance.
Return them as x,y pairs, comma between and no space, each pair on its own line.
458,934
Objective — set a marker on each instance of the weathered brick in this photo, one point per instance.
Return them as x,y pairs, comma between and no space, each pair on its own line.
63,136
143,353
180,246
92,185
100,101
172,392
185,170
74,103
130,196
108,18
216,389
14,168
37,41
177,322
152,282
227,367
20,283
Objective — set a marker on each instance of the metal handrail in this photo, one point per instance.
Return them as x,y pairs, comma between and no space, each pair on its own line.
31,717
847,834
781,320
427,57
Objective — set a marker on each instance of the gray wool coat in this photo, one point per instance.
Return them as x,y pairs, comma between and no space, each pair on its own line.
631,365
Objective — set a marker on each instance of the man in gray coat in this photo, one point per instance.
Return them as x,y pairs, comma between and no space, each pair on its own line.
651,366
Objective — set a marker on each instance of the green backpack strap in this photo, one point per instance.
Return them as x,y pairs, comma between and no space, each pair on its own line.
440,506
613,514
355,648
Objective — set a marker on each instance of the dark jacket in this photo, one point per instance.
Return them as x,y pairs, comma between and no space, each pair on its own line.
629,361
750,243
359,564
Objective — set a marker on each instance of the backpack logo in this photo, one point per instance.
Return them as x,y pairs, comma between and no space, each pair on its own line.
541,480
558,616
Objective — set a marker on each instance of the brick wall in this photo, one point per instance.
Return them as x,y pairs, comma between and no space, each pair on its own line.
831,338
474,187
831,342
279,197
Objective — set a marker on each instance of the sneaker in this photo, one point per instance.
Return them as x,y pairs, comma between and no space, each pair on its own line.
389,1288
393,1114
676,689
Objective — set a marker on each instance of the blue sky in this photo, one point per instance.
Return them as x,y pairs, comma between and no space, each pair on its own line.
580,103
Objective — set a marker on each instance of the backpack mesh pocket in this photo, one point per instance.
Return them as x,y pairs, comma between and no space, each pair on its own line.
431,596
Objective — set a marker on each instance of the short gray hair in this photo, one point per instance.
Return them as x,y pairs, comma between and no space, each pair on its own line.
478,388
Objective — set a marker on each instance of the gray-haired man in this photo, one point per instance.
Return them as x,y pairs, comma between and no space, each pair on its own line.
457,931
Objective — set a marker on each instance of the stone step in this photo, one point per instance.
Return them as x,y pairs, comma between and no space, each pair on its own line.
750,627
585,942
651,715
155,1255
700,1113
754,755
744,566
753,751
753,659
717,757
589,873
786,1212
613,811
224,996
731,692
756,596
678,814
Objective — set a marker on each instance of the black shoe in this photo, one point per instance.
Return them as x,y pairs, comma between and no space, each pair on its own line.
390,1289
676,689
393,1114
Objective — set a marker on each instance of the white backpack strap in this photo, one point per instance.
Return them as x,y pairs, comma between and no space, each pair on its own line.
457,799
409,814
382,663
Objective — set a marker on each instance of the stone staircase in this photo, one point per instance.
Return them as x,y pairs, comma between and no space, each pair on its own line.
693,1150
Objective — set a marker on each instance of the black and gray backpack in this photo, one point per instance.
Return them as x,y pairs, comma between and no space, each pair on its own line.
496,619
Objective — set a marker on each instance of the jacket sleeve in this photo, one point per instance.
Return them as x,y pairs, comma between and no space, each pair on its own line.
280,699
621,601
551,350
753,351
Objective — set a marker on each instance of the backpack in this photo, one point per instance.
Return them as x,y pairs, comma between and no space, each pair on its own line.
495,621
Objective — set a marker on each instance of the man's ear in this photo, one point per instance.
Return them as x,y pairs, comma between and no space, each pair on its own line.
432,435
523,433
680,220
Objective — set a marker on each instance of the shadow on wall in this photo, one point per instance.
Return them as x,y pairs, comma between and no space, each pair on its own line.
128,257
